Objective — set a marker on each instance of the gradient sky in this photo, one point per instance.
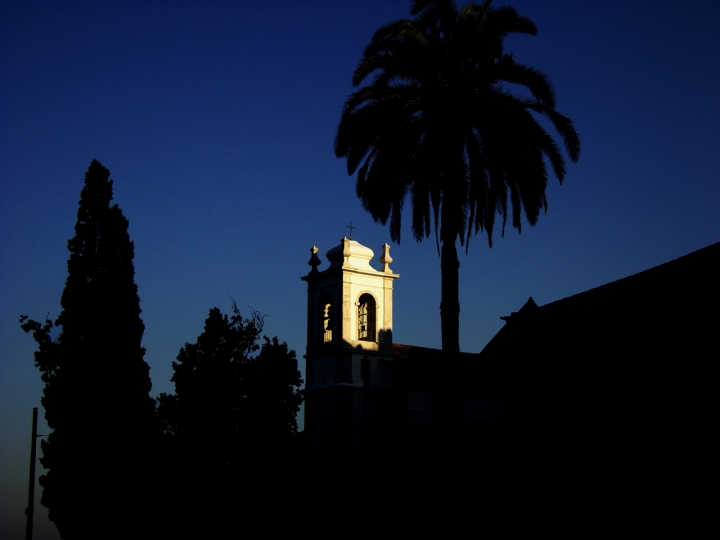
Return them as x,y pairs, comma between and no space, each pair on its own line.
216,120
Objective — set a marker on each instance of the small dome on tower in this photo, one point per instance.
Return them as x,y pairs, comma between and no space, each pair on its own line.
351,254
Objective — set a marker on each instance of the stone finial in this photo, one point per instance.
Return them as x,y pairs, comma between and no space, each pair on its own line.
314,260
346,249
386,259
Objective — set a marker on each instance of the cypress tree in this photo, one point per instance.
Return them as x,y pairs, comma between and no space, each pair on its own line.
97,384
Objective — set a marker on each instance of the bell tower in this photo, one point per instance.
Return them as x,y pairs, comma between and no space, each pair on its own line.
349,336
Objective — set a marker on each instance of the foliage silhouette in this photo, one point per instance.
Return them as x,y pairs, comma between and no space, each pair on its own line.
227,429
440,125
96,397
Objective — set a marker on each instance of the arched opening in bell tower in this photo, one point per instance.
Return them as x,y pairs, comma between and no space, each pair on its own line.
325,319
366,317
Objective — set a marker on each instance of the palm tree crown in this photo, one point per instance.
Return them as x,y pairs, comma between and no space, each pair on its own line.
440,125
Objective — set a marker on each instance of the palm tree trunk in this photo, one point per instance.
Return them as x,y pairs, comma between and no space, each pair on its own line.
447,406
449,300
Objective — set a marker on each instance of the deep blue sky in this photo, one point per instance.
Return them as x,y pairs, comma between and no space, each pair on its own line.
216,120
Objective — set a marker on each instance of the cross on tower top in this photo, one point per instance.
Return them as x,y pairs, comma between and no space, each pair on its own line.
351,229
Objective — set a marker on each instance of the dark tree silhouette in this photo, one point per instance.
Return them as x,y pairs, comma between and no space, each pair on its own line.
440,125
97,385
227,428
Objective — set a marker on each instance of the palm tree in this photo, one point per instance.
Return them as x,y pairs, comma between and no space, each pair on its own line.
439,124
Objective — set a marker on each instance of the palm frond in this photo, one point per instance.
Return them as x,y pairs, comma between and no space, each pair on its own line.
565,128
505,20
437,125
537,82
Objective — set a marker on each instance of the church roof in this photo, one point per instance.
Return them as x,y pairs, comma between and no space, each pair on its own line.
669,312
421,354
650,337
418,366
678,296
